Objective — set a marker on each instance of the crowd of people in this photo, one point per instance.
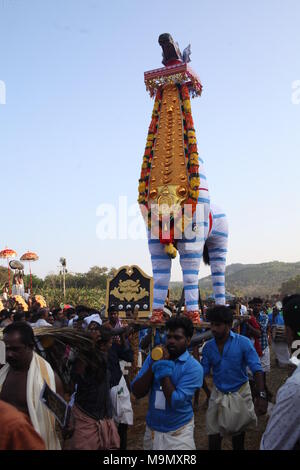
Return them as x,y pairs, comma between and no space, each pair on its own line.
231,367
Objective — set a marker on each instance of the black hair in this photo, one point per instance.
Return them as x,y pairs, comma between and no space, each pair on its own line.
291,312
220,314
40,313
289,298
93,311
5,314
181,322
25,330
19,316
105,334
69,312
255,300
112,308
206,255
82,308
55,311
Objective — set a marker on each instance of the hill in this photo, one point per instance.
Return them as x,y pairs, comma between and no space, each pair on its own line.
247,280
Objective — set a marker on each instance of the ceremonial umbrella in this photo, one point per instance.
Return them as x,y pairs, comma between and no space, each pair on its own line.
7,254
29,256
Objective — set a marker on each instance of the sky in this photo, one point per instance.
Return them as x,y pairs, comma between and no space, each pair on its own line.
74,115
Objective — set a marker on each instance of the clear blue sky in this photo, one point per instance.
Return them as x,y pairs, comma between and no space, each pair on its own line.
74,126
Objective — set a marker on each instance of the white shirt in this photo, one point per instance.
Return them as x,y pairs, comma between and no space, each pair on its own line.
243,310
40,322
283,429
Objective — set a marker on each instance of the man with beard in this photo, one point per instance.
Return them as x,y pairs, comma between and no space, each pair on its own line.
171,382
230,408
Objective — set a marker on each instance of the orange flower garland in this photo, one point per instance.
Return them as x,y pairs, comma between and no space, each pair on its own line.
148,155
191,154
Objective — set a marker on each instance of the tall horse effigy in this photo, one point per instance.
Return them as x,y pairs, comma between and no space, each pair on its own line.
173,192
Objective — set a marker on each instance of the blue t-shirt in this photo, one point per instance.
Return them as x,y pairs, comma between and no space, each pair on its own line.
159,338
229,369
186,378
278,319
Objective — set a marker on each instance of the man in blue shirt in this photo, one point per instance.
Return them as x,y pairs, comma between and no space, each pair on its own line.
171,382
231,407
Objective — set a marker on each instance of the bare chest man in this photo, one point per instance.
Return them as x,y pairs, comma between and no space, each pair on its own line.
14,390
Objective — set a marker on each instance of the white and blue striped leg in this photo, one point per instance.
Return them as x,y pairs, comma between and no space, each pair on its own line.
217,250
190,257
161,267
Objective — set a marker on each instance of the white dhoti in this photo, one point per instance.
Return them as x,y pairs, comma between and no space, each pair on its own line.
230,413
179,439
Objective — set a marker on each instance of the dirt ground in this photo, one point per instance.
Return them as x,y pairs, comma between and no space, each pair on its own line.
275,379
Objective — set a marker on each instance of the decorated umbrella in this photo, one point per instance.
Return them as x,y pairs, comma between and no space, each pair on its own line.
29,256
7,254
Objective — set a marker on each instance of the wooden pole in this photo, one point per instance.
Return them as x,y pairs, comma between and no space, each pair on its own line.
9,289
30,279
64,282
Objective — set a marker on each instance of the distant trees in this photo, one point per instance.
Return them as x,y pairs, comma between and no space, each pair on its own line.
292,286
95,278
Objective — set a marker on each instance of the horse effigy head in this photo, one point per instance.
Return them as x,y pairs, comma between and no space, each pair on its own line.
170,49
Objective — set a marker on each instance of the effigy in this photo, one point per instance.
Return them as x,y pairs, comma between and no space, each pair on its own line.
173,192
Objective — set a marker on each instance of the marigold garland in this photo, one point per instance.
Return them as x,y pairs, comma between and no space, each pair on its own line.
21,302
192,162
148,154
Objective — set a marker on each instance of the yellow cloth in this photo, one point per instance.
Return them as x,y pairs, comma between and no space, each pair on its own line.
42,420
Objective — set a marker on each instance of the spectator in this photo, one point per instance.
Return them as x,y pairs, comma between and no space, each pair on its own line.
94,427
42,318
283,431
7,317
60,320
256,304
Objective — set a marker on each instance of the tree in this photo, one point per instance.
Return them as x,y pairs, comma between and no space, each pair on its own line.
63,263
292,286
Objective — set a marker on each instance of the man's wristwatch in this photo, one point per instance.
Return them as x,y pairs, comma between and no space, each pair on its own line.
262,395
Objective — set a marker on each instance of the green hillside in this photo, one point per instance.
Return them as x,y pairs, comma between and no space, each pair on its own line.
263,279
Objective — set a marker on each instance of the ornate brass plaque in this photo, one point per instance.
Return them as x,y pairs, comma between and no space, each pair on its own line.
130,288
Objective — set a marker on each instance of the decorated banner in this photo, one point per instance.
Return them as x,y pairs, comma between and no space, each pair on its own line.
130,289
